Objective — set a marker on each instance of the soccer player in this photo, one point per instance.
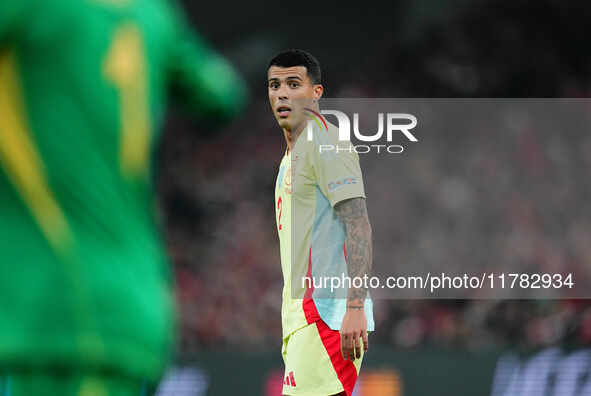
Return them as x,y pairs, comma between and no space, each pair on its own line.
323,230
86,303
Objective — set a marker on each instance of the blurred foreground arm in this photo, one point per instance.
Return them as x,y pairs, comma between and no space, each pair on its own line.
200,78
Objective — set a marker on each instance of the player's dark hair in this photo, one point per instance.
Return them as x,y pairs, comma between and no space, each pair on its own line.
297,57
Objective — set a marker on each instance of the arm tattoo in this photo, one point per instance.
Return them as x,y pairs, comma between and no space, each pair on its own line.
353,214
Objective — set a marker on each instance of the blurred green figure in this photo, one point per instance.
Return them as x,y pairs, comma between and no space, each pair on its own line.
86,302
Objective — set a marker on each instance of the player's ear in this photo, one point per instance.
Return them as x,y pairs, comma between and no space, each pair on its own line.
318,91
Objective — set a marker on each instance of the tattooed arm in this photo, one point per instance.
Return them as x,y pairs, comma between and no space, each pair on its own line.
353,214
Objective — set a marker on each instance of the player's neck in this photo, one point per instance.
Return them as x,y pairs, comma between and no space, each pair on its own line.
291,136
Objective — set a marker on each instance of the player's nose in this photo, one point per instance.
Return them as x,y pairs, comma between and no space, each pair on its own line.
282,93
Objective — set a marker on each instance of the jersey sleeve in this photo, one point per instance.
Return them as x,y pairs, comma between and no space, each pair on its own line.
200,78
338,173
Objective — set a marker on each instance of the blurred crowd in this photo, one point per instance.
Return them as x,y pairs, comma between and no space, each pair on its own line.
513,199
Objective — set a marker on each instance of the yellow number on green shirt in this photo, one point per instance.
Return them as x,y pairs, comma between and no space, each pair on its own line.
125,67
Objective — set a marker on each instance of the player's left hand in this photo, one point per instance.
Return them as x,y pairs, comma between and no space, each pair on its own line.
353,330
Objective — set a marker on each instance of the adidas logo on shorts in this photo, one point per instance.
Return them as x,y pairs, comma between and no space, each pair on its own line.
289,379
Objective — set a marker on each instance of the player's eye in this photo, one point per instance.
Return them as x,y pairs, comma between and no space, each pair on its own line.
294,84
274,85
